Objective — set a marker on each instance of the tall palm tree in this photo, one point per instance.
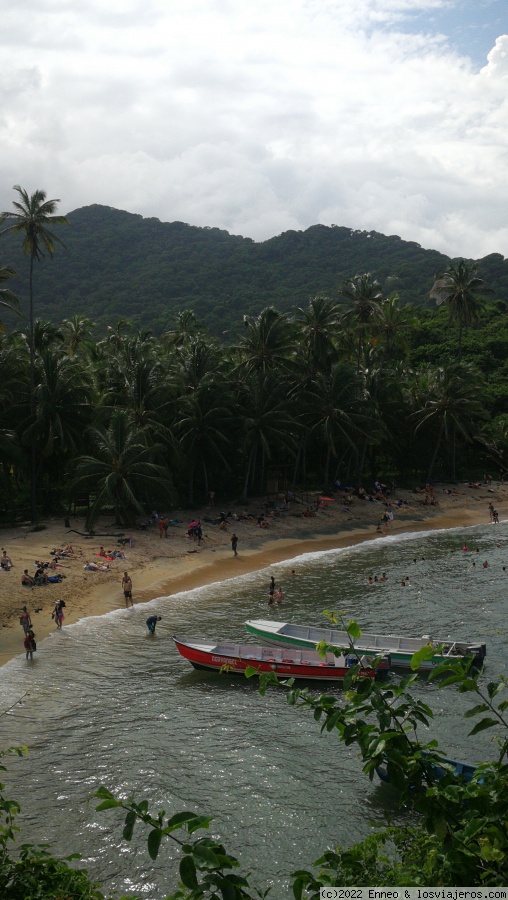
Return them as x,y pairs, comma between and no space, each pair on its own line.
363,298
338,413
33,216
201,427
393,328
462,289
266,424
318,324
453,408
266,343
62,403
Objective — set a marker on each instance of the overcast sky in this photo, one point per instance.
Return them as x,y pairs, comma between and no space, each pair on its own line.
259,116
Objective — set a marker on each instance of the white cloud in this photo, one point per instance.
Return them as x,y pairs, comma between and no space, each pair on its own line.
258,117
497,59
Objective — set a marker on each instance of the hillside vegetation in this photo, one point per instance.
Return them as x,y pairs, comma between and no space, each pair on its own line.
400,377
120,265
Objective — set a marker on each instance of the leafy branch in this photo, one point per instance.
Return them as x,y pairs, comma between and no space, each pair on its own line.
205,867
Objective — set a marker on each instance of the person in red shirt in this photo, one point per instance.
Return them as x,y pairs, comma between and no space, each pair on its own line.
29,644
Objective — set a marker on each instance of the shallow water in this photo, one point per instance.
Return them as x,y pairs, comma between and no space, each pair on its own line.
103,703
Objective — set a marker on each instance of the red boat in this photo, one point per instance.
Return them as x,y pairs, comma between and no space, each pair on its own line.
286,662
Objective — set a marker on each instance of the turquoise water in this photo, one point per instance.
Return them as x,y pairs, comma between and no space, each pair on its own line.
104,704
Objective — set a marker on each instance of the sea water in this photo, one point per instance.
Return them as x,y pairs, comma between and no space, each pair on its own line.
104,703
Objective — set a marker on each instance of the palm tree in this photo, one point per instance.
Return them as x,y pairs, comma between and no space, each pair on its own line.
338,413
266,423
462,289
393,327
266,343
62,403
78,332
201,428
7,299
186,328
363,298
318,325
122,472
453,408
33,214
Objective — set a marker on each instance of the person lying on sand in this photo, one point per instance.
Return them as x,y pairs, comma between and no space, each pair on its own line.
66,552
96,567
54,564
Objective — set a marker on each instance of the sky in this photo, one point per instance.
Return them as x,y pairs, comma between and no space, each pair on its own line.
261,116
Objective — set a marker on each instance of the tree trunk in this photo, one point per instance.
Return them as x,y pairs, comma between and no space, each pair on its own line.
205,479
297,460
252,456
327,466
436,450
362,462
33,452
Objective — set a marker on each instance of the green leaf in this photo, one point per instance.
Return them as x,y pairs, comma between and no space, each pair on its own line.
108,804
494,688
186,818
425,653
353,629
188,873
130,820
227,889
322,648
481,726
204,854
102,793
298,886
154,842
476,710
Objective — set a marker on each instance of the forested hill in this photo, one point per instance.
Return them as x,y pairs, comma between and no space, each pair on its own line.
120,265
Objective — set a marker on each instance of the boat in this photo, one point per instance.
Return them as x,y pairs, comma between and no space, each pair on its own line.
294,663
439,769
400,649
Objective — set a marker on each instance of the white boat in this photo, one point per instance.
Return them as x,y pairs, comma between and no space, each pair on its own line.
400,649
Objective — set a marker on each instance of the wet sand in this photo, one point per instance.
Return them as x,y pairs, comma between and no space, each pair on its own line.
161,567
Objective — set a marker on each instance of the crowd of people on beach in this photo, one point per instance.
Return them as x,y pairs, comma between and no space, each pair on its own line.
49,572
45,573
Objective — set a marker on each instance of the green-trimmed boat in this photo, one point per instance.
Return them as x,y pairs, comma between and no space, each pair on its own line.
400,649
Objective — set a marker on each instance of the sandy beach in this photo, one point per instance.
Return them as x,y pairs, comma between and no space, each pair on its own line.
163,566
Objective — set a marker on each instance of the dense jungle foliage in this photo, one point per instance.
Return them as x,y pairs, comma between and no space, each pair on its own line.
119,265
351,385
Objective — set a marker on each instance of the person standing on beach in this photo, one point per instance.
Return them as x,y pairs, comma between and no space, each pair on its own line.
127,588
25,620
234,544
271,591
151,622
58,613
29,644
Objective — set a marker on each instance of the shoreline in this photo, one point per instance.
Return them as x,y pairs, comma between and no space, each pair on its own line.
161,568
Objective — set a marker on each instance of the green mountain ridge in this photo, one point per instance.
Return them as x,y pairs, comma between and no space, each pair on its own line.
120,265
